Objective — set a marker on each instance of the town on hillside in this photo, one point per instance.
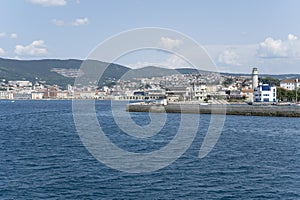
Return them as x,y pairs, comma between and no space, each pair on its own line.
205,87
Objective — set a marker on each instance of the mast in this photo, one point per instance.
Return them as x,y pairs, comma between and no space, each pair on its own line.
296,90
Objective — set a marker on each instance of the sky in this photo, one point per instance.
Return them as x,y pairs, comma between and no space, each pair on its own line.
236,34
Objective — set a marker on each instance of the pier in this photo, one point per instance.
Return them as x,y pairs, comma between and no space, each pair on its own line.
247,110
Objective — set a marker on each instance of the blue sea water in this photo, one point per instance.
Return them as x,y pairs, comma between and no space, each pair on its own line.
42,156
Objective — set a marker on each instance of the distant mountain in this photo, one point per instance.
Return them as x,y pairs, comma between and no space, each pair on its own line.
53,71
148,72
277,76
152,71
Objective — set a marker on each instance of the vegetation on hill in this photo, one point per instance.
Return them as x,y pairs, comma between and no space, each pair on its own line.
42,70
270,81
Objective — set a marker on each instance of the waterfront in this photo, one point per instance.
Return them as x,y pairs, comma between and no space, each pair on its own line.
42,157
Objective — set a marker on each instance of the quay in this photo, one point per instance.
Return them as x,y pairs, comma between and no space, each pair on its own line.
229,109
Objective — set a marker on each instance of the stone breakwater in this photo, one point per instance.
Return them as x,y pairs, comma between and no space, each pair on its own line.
248,110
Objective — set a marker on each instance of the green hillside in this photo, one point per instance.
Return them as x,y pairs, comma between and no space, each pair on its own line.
42,70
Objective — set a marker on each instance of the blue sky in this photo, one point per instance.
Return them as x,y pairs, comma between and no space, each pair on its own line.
237,34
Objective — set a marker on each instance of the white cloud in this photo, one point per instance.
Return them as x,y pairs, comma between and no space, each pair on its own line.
2,34
292,37
169,43
13,36
80,21
49,2
228,57
57,22
271,48
2,52
36,48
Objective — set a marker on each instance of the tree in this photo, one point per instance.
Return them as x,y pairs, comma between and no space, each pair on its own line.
281,94
270,81
287,95
147,86
228,81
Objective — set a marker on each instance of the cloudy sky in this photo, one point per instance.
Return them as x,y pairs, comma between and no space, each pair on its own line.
237,34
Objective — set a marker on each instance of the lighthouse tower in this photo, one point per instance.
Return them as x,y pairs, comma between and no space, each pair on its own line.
254,78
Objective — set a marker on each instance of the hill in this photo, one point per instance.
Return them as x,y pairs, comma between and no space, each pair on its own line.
53,71
63,72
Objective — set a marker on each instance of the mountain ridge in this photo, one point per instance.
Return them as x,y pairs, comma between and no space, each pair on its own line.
62,71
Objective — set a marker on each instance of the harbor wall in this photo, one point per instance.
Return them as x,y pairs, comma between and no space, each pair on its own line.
248,110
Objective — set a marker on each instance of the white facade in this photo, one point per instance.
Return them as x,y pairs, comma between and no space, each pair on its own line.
248,93
196,92
20,83
37,95
290,84
200,92
265,93
62,95
4,94
87,95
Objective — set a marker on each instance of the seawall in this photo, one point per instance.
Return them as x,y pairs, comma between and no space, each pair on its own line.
248,110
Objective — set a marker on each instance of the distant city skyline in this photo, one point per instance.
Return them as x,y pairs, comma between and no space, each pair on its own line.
237,35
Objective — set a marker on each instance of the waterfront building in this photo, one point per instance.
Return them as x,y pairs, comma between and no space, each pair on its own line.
176,92
290,84
37,95
173,98
62,95
87,95
265,93
50,93
248,93
21,96
4,94
200,92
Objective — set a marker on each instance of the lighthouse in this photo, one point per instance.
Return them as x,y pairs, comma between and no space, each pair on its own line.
254,78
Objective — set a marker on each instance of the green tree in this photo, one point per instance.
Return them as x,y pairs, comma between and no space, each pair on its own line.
228,81
281,94
288,95
291,95
270,81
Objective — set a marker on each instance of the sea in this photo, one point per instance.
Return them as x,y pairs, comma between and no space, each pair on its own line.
42,156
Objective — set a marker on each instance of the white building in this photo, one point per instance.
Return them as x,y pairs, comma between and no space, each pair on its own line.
20,83
200,92
265,93
87,95
248,93
290,84
4,95
62,95
37,95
